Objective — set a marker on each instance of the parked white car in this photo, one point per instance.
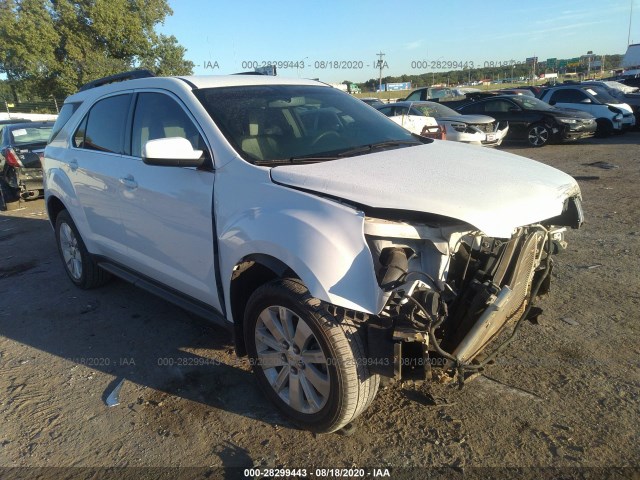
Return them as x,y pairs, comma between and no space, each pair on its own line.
611,115
472,129
336,246
413,120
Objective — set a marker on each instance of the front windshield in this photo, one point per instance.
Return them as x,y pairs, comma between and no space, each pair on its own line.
435,110
531,103
272,123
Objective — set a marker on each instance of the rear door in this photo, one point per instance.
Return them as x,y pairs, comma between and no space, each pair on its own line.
94,165
167,211
505,110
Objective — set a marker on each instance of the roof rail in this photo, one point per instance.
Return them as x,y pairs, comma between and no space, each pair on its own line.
118,77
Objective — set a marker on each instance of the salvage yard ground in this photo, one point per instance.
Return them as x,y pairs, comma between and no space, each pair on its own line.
564,394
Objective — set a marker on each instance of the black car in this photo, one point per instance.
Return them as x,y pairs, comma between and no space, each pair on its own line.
21,147
373,101
533,120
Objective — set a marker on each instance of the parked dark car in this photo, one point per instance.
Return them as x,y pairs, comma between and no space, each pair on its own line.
373,101
21,148
532,88
533,120
516,91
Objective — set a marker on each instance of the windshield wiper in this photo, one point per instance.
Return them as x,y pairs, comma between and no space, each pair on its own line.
376,146
334,156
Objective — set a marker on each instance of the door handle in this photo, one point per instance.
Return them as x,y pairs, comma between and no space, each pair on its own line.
73,165
129,182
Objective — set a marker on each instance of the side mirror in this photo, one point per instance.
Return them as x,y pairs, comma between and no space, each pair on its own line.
585,100
171,152
552,102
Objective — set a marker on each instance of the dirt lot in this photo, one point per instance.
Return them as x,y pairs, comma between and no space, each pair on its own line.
564,395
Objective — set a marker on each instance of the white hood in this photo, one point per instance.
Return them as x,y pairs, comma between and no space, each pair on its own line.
493,191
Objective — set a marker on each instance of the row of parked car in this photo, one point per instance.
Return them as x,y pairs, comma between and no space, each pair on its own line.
537,116
22,144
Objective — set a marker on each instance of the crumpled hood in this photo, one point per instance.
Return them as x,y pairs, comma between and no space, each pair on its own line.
473,119
493,191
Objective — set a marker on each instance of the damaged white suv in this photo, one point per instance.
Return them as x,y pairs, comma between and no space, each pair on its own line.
339,248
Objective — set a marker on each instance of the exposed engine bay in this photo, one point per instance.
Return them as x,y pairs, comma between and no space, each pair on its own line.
452,291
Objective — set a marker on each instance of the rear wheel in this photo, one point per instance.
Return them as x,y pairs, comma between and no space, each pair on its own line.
80,266
538,135
311,367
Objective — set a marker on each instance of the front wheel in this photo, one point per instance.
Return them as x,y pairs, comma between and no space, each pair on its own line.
313,368
538,135
605,128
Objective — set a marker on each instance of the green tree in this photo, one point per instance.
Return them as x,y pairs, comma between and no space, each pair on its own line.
54,46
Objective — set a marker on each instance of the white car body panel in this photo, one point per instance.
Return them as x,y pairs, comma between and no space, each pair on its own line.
166,216
600,111
494,192
414,123
319,239
478,138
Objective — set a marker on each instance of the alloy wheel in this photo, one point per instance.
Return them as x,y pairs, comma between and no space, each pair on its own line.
292,359
538,136
70,251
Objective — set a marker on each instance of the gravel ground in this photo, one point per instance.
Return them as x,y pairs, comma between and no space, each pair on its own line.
563,398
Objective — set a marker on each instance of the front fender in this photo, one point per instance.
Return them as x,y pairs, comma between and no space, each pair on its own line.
321,240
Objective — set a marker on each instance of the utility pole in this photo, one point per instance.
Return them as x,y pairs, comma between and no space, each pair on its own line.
630,17
380,66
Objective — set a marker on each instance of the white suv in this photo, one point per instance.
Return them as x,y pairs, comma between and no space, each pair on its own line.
338,248
612,115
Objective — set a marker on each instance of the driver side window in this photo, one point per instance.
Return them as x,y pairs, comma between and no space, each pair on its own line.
159,116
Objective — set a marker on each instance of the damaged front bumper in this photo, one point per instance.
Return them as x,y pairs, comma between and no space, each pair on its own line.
452,290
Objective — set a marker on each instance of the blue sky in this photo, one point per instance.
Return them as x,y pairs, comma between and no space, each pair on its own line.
220,36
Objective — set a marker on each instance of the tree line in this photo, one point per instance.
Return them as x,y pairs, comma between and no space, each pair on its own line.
49,48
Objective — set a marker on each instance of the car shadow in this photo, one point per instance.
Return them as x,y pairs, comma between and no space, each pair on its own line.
118,329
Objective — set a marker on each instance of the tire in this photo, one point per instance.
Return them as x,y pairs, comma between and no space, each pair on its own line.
538,135
605,128
80,266
293,343
7,195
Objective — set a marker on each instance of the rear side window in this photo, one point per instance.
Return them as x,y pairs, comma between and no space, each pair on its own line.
67,110
572,95
104,126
